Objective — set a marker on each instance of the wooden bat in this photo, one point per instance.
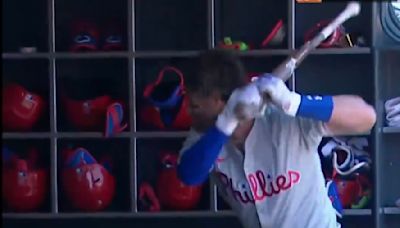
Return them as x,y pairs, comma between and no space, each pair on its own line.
287,67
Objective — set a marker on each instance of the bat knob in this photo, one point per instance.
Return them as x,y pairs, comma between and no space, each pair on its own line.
354,8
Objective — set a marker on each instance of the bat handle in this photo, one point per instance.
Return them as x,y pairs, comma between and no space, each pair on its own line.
285,70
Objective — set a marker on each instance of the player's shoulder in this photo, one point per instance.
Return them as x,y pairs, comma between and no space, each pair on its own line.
274,116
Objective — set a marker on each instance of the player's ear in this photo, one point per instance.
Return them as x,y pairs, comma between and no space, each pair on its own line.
217,100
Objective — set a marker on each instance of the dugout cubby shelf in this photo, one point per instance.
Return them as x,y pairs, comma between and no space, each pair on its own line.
32,162
157,33
99,83
32,78
308,15
97,24
251,22
172,25
114,155
156,167
27,33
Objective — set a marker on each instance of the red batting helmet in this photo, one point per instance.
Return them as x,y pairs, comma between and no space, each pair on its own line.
21,108
25,185
172,193
87,114
334,40
84,36
352,191
167,103
88,185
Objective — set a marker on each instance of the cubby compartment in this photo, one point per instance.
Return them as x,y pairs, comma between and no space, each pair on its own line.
88,91
389,87
255,66
26,176
93,175
390,167
222,205
91,26
170,25
337,74
157,81
390,159
259,65
391,221
158,181
354,175
251,24
357,221
26,95
25,26
312,18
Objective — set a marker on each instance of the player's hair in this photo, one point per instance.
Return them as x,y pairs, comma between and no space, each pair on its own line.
216,70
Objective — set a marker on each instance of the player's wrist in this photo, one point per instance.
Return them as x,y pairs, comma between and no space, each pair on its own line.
291,106
226,123
314,107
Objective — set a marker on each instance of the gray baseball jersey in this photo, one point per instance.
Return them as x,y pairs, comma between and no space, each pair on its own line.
278,181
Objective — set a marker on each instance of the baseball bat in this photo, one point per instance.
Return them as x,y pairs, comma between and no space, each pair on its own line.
287,67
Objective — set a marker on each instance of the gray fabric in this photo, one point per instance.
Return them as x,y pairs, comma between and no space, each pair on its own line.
279,149
390,19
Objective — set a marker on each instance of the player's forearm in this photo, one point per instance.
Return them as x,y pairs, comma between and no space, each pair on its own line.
197,161
351,115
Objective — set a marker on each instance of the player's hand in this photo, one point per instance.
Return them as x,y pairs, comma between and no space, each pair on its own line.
251,105
275,91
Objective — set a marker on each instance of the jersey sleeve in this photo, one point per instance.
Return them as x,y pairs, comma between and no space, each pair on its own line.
307,132
311,130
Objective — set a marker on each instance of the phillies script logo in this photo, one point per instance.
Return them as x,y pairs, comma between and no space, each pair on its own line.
261,187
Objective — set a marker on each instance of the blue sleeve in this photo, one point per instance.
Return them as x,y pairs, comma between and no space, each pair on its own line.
196,162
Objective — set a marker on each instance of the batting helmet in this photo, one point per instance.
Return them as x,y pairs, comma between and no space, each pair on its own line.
88,185
25,184
172,192
166,103
21,108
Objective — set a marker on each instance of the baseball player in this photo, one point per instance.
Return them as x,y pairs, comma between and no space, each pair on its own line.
266,164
